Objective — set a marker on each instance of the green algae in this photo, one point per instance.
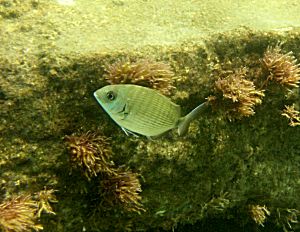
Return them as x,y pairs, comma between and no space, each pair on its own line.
214,172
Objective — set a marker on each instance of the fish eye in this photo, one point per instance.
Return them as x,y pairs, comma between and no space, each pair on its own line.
110,95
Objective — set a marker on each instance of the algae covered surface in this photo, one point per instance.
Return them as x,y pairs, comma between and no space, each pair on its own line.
227,169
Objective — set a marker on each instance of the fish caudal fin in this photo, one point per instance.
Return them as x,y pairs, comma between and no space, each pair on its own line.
185,121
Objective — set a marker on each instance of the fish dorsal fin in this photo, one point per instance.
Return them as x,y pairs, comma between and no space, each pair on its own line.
184,122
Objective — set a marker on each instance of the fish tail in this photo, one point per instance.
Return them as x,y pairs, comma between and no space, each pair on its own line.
185,121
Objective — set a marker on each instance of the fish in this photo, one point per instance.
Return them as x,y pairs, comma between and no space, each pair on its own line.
144,111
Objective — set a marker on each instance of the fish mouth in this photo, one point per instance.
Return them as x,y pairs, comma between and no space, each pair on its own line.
96,97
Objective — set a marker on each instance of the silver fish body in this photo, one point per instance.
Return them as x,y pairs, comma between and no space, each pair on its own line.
142,110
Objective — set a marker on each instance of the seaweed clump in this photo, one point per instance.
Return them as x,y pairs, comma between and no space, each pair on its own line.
292,114
19,214
259,213
90,152
282,67
44,198
123,188
236,94
215,204
152,74
287,218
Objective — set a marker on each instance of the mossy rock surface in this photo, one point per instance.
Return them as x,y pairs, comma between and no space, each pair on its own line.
52,59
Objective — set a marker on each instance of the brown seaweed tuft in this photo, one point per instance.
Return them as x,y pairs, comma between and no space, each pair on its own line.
292,114
259,214
287,218
282,67
90,152
123,188
152,74
237,94
19,215
44,198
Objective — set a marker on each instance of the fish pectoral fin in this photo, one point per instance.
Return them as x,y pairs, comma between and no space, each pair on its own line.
128,132
124,112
